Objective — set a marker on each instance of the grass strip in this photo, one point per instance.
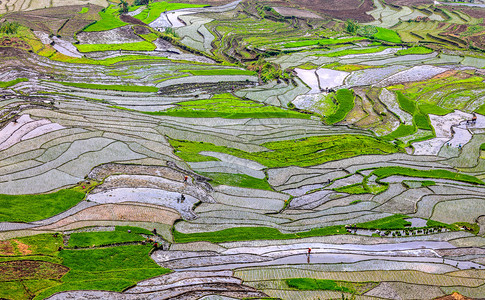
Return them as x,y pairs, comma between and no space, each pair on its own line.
123,88
414,50
138,46
240,180
108,269
6,84
387,35
29,208
88,239
252,234
388,223
302,152
229,107
305,43
385,172
155,9
310,284
353,51
345,99
109,20
215,72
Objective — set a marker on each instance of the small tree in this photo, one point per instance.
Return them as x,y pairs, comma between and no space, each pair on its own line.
123,6
9,27
170,31
351,26
141,2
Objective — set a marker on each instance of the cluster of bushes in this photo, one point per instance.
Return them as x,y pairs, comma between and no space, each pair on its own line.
9,27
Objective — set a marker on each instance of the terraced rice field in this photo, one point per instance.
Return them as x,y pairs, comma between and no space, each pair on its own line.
241,150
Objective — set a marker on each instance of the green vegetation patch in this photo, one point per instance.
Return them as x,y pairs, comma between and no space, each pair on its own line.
29,208
434,109
353,51
387,35
155,9
321,42
230,107
345,100
109,269
310,284
84,10
124,88
6,84
401,131
103,62
414,50
405,103
481,110
9,27
138,46
109,20
215,72
411,184
241,180
30,269
384,172
149,36
136,230
303,152
252,233
387,223
101,238
357,188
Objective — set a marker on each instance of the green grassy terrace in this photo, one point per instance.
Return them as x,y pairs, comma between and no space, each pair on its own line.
302,152
385,172
119,235
123,88
215,72
154,9
138,46
229,107
6,84
414,50
353,51
345,100
252,234
240,180
29,208
109,269
108,20
394,222
310,284
305,43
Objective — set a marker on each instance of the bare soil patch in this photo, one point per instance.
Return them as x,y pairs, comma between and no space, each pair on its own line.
14,42
207,2
65,20
29,269
119,35
409,2
299,13
141,30
23,248
131,20
6,248
101,172
454,296
475,12
340,9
